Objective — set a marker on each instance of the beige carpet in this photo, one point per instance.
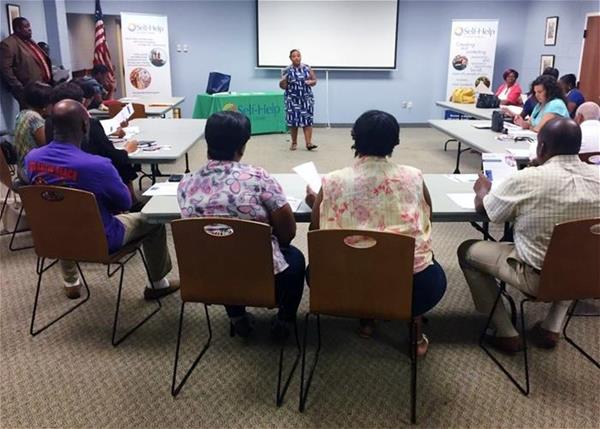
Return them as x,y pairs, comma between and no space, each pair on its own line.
70,375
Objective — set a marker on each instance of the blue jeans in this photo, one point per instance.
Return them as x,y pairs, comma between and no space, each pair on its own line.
289,285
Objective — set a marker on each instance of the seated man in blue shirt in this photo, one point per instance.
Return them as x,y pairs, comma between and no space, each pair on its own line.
575,98
63,163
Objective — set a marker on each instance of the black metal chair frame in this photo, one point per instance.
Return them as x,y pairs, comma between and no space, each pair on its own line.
41,269
176,388
413,367
15,231
525,389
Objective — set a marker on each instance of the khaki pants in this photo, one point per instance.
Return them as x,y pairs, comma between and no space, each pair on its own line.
154,246
482,262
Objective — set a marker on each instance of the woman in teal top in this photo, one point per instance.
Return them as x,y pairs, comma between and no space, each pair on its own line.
551,104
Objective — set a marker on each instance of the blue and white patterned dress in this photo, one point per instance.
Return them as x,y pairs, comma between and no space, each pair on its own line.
299,101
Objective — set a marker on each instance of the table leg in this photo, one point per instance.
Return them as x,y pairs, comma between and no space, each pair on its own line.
187,163
458,152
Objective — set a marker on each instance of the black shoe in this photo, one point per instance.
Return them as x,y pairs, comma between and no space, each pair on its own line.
242,327
152,294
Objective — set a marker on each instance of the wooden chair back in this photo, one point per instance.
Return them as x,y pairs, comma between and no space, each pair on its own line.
585,157
65,223
5,176
571,267
369,279
225,261
139,110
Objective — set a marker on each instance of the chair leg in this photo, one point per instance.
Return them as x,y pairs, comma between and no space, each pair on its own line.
413,371
281,392
570,341
40,269
523,390
303,390
121,268
176,388
14,233
4,203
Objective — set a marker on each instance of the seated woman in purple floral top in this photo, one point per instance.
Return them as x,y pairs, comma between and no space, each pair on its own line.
226,187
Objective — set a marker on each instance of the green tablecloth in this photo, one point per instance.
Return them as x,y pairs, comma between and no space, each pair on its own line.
266,110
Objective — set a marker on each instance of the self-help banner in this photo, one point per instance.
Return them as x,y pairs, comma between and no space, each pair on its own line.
146,57
472,53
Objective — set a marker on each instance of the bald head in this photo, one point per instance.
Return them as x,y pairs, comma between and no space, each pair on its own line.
560,136
70,121
588,111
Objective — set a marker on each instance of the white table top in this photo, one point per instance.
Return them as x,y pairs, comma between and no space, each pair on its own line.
153,107
163,209
483,140
467,109
179,134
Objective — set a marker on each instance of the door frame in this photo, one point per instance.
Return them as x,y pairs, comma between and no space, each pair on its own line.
587,17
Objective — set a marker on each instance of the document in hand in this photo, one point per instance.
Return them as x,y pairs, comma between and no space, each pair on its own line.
125,113
498,166
110,126
308,173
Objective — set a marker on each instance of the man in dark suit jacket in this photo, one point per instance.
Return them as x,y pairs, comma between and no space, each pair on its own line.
22,61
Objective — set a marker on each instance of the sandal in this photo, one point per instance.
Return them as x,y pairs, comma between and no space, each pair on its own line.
311,146
422,346
294,146
367,328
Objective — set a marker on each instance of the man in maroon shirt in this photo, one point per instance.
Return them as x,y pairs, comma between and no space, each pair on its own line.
22,61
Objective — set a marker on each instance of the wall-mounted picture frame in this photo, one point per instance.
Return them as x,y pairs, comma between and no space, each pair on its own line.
12,11
546,61
551,31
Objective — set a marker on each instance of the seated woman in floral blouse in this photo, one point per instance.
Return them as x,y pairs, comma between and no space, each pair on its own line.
375,194
225,187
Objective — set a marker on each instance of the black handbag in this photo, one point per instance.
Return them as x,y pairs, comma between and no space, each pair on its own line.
488,101
497,121
9,152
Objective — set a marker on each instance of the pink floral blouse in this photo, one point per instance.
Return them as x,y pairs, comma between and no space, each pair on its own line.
233,189
378,195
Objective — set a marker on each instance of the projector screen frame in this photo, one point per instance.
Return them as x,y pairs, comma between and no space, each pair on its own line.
347,68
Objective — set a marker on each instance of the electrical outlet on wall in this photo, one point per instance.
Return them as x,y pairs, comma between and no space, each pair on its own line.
404,104
185,48
409,105
178,47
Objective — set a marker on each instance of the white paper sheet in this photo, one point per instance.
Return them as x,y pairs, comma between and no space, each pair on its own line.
498,166
130,132
466,200
163,188
520,153
124,114
463,178
514,110
109,126
308,173
294,203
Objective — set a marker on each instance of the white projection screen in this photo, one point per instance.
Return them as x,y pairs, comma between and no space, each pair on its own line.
331,34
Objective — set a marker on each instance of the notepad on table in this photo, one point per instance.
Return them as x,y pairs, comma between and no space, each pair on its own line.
162,189
464,200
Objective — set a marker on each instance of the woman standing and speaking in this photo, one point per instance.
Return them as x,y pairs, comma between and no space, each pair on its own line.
297,80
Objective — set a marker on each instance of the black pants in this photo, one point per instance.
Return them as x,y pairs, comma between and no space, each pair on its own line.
289,285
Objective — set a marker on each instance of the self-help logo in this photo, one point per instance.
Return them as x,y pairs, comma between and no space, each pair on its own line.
472,31
147,28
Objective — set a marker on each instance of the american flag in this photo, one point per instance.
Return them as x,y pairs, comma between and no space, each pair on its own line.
101,53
